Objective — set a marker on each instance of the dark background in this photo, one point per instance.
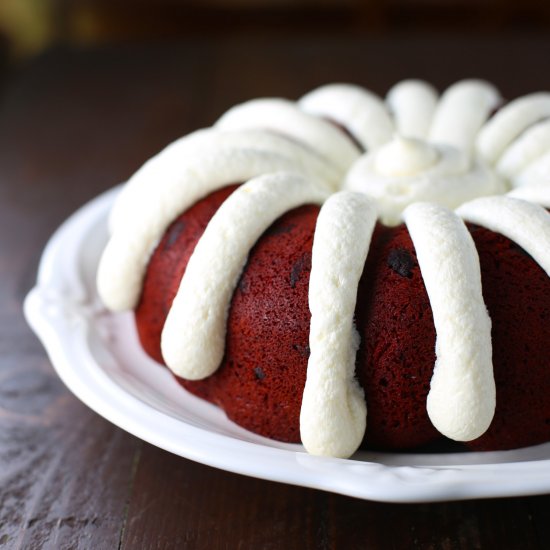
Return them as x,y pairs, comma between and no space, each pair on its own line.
29,26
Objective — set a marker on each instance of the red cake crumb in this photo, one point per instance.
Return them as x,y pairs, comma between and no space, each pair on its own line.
397,353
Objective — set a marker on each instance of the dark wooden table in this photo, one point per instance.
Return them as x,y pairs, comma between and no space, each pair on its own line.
74,123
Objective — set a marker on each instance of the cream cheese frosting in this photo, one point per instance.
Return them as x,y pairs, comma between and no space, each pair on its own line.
412,103
405,157
333,413
286,118
461,111
536,171
516,219
170,163
407,170
538,193
508,123
361,112
530,146
420,148
461,400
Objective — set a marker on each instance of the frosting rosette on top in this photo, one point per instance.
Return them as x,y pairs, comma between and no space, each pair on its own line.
408,170
429,161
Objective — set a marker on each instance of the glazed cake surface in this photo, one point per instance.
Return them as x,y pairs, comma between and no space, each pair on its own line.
349,270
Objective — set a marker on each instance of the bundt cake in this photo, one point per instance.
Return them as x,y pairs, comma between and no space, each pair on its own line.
298,264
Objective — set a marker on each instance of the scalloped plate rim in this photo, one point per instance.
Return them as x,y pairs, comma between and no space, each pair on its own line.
58,311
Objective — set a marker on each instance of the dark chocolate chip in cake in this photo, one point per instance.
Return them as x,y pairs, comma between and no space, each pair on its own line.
401,262
259,373
173,234
302,264
243,284
304,351
277,229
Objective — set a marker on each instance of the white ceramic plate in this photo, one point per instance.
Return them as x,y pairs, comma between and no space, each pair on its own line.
98,357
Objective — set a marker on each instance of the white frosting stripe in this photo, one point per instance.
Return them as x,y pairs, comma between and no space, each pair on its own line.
285,117
528,225
171,162
462,110
461,401
412,103
361,112
333,414
536,172
510,122
147,216
203,298
539,193
531,145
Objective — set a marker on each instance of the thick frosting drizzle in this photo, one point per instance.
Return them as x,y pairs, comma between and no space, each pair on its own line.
286,118
516,219
148,215
333,414
536,171
461,112
205,292
510,122
530,146
361,112
538,192
461,401
293,157
170,163
412,103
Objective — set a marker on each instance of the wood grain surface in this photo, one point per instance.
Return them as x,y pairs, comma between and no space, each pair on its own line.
74,123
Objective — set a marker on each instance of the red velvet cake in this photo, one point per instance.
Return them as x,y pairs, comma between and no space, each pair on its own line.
447,210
